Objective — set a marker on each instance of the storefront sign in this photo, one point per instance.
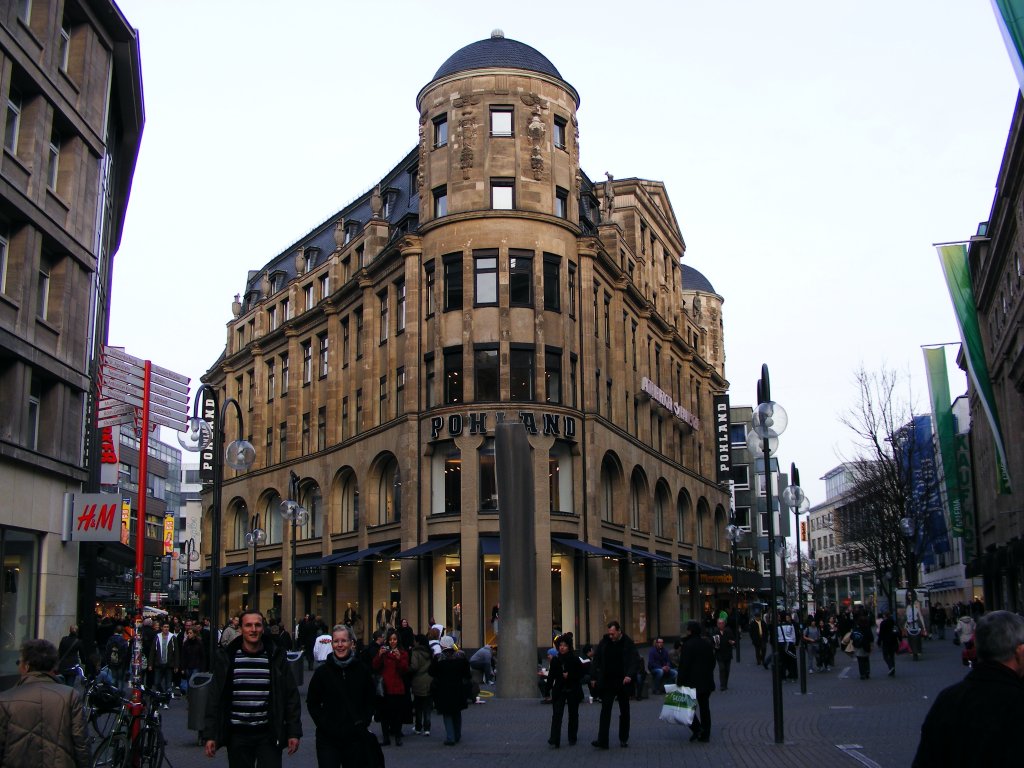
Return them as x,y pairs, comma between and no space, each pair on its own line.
722,441
110,439
95,517
553,424
664,399
206,456
716,578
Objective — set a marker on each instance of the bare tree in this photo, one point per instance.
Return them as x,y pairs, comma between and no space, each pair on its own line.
885,519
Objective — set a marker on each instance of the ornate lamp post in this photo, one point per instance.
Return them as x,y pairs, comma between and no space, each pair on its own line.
253,538
796,499
293,512
188,555
734,533
205,435
769,421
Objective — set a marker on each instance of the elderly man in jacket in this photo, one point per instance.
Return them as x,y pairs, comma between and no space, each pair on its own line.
977,721
40,716
254,708
615,668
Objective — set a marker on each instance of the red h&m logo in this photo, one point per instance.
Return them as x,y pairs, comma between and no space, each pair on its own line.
98,516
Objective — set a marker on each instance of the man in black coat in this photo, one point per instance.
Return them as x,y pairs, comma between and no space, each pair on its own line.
697,670
977,721
615,668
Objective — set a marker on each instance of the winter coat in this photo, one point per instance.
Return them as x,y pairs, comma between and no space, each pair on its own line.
42,724
285,704
608,676
975,722
888,635
340,699
419,665
964,629
697,664
452,680
392,668
567,687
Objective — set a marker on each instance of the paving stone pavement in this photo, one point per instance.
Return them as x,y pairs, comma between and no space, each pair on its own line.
841,721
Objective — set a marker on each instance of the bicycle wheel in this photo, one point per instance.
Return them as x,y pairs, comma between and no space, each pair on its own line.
153,747
113,752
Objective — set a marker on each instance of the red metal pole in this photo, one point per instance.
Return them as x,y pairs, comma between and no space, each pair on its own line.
140,528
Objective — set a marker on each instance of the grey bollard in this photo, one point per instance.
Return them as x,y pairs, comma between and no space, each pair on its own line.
296,664
198,697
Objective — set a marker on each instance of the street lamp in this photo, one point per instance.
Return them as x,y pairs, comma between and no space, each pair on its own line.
734,533
296,514
186,557
769,420
795,498
253,538
205,435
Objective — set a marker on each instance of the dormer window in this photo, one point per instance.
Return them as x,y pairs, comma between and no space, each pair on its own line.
276,282
351,230
309,257
388,199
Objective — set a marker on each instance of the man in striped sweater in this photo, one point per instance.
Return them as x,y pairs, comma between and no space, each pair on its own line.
254,708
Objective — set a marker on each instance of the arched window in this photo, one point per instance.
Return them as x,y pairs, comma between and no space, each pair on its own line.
240,527
684,513
270,518
349,503
636,490
488,478
312,500
608,474
389,493
560,479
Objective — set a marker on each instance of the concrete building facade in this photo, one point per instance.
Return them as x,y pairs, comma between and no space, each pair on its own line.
485,278
73,115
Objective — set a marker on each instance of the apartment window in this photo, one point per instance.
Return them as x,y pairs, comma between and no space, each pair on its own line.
742,518
282,441
35,397
440,202
400,308
452,282
561,203
24,11
382,297
12,123
272,319
501,121
344,418
552,283
252,389
558,135
521,373
64,48
325,286
399,390
344,343
571,288
276,282
428,271
43,291
440,130
305,434
322,363
553,375
382,412
308,297
572,380
307,362
607,320
520,278
269,453
321,428
284,375
286,310
428,379
453,375
359,410
271,381
488,477
359,333
502,197
53,161
351,230
485,374
485,268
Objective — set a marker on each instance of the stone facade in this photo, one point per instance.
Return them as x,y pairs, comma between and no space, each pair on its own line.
484,278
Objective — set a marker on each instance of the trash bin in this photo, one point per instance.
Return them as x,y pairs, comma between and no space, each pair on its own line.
198,696
297,666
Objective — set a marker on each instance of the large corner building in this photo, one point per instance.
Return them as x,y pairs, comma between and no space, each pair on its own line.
485,278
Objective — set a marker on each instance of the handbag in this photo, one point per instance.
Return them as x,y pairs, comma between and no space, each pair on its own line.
680,705
904,646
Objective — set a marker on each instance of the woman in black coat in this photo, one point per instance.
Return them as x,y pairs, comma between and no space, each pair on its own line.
340,701
697,670
450,688
566,676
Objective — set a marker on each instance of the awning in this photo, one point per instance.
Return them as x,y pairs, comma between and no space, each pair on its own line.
684,562
348,558
203,574
308,568
490,545
643,554
262,566
584,547
427,547
233,570
709,568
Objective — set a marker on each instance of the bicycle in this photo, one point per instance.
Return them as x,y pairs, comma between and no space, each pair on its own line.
101,700
136,739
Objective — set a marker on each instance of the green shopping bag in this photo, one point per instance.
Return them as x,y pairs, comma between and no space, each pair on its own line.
680,705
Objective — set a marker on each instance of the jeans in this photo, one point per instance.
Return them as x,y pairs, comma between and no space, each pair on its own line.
724,666
659,677
864,667
484,668
453,727
253,750
162,679
608,697
422,706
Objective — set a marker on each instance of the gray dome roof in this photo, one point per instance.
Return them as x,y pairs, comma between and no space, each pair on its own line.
695,281
497,51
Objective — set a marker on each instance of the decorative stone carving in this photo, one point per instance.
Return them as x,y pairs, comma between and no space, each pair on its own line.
536,133
376,206
422,154
578,180
467,140
609,196
533,100
236,305
300,262
265,285
339,234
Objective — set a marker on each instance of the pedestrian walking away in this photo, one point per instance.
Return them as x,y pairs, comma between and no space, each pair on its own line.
450,688
254,708
612,679
697,671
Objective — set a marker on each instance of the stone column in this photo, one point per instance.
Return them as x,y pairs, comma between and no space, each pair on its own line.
517,637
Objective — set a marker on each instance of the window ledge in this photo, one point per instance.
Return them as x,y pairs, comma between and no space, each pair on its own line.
5,299
67,79
15,159
48,325
58,199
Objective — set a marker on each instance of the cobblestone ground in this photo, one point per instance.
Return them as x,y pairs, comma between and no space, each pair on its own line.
841,721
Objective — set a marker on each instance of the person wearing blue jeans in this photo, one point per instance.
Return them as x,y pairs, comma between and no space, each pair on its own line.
660,666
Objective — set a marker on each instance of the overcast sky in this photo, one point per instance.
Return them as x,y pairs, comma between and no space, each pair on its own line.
812,151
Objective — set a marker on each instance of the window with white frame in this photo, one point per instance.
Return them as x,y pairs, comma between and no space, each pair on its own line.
325,286
400,306
32,426
383,298
501,121
307,362
12,122
440,131
440,202
485,270
322,363
4,262
64,48
502,194
43,291
561,203
558,135
308,297
53,161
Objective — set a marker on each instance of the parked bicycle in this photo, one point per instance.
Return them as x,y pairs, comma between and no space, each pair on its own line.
136,739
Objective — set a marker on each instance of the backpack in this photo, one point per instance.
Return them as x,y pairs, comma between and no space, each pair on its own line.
114,653
857,638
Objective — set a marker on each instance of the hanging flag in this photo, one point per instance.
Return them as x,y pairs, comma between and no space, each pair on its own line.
1010,17
942,417
958,279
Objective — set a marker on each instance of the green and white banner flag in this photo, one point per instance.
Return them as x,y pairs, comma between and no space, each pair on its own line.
945,430
1010,17
958,279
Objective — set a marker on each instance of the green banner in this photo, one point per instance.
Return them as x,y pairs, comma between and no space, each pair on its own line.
945,430
958,279
1010,17
964,475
